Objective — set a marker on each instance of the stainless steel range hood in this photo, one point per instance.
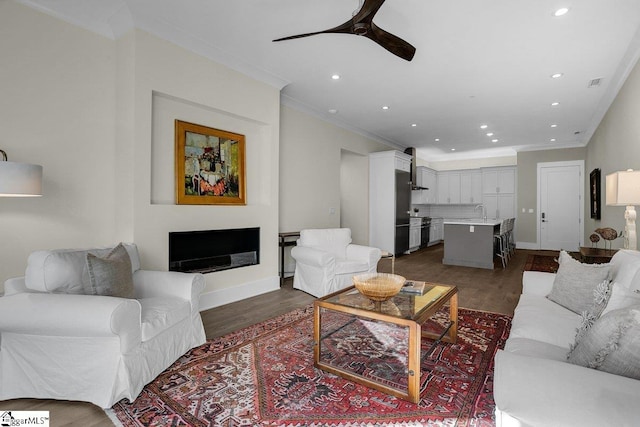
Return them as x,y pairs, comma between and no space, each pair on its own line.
414,169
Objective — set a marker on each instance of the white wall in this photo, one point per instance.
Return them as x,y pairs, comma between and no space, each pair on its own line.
57,109
354,202
310,159
172,83
98,115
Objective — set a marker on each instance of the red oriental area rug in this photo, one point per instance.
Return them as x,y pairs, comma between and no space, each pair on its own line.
546,263
263,375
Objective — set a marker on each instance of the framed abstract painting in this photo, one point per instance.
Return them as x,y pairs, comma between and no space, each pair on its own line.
210,166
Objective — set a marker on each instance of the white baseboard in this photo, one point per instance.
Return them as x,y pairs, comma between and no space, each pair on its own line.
527,245
246,290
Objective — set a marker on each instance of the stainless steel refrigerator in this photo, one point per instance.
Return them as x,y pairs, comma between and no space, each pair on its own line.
403,206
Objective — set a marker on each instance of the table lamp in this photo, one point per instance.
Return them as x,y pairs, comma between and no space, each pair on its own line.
623,189
19,179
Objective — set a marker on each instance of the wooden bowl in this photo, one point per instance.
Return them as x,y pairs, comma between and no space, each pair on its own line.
378,286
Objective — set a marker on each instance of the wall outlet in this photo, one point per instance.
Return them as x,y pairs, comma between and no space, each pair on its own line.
472,229
332,211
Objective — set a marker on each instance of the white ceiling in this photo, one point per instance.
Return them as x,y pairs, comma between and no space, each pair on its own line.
476,62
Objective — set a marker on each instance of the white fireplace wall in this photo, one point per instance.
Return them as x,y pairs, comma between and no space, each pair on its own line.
172,83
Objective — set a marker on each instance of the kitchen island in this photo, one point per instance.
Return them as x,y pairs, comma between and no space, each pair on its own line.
469,242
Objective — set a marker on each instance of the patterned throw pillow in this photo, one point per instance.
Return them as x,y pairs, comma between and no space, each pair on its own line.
110,275
580,287
612,344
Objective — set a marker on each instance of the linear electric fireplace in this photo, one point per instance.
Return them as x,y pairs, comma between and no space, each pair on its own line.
213,250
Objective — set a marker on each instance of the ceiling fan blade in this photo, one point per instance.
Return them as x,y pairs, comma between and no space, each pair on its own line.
343,28
368,10
392,43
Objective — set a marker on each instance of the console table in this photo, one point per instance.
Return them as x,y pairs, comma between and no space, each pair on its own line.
286,240
596,255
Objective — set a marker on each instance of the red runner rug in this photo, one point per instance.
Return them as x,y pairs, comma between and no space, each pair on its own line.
263,375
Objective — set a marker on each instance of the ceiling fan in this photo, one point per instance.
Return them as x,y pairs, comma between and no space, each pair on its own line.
362,25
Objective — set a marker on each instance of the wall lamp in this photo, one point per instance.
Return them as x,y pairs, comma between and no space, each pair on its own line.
19,179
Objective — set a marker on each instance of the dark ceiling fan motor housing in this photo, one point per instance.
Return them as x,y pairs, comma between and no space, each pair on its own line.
362,25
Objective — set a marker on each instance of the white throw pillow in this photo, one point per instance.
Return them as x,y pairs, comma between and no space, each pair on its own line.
612,344
621,297
580,287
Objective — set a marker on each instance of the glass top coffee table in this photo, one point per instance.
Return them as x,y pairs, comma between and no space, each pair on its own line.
378,345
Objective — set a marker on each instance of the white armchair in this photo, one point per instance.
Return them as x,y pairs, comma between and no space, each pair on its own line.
56,343
326,261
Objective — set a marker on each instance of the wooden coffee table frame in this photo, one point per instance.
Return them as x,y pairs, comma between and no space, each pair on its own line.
414,326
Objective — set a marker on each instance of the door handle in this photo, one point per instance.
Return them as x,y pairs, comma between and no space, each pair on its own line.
543,217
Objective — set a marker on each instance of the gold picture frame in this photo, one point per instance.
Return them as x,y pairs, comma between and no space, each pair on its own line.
210,166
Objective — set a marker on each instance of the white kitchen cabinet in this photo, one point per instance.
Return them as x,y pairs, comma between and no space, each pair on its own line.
499,188
425,178
499,205
499,180
471,186
429,180
414,238
436,231
449,188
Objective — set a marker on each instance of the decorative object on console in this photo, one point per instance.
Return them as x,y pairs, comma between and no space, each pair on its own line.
594,240
378,286
623,189
19,179
608,234
210,166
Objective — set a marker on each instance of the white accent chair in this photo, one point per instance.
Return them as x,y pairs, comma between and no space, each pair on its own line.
57,343
326,261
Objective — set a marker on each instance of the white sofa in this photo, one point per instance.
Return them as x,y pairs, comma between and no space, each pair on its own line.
535,385
326,260
57,343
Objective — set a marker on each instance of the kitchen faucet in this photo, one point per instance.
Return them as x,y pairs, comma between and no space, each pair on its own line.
484,214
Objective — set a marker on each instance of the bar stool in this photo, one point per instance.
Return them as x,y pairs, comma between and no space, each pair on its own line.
501,241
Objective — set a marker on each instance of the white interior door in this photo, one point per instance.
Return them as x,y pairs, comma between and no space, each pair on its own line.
560,205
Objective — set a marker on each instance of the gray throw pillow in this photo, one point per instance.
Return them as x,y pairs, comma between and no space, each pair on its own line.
581,287
110,275
612,344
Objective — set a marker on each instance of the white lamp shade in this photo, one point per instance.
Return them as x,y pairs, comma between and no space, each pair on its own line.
623,188
20,179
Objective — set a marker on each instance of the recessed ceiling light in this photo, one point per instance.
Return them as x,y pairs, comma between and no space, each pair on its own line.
437,140
414,125
333,111
561,11
335,76
557,75
385,107
483,126
494,140
554,126
555,104
552,140
490,134
453,149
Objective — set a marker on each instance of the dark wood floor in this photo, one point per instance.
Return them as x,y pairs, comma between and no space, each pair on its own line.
490,290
